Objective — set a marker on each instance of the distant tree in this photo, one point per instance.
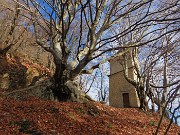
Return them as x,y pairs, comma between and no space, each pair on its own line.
171,98
101,85
164,74
86,81
96,83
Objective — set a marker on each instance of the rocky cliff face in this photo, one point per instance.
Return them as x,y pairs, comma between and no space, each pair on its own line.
12,73
16,76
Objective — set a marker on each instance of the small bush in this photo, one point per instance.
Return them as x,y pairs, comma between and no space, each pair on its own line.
109,125
152,123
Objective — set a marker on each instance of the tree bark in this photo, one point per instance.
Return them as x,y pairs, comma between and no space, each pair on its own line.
60,90
64,88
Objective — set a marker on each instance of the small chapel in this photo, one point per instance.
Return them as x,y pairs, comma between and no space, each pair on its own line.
122,94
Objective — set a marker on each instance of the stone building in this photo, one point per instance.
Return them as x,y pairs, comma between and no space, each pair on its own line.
121,92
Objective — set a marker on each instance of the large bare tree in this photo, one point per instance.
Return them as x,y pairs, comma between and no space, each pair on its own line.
78,32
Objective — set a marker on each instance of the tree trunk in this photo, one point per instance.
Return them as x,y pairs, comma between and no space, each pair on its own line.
65,89
60,90
142,98
165,83
160,110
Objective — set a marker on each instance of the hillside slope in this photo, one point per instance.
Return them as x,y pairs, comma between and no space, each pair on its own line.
40,117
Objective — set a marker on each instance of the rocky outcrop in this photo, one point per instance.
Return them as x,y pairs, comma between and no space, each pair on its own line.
76,94
42,90
4,81
12,73
30,74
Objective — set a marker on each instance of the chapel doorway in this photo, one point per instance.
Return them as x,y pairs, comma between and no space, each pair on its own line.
126,102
